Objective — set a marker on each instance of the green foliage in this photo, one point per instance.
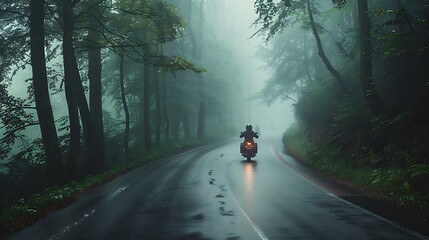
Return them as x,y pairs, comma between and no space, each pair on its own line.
350,114
14,37
401,32
317,104
339,3
274,17
13,119
392,182
173,64
419,169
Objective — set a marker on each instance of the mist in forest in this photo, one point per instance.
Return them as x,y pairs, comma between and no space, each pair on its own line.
196,74
86,86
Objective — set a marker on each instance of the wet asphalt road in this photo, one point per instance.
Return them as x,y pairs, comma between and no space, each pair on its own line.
212,193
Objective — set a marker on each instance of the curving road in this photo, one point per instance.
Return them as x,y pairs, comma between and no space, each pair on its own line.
211,192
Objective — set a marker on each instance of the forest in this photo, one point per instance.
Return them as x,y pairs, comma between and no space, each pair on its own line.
356,72
86,86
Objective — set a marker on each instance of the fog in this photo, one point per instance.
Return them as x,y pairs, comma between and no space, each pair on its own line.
216,103
128,81
232,22
237,28
206,72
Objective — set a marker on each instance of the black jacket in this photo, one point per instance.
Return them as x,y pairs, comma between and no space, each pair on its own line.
249,135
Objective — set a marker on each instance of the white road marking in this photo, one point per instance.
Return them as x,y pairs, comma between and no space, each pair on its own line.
61,233
273,149
113,194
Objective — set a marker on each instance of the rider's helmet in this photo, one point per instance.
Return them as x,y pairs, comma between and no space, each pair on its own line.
249,127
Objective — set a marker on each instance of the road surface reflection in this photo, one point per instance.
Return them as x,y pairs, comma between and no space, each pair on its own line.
250,168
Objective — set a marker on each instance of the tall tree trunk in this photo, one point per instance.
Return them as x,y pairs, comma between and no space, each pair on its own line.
176,108
157,107
307,68
140,118
73,80
125,106
95,93
146,107
184,102
54,167
185,123
164,106
321,52
71,91
366,78
90,165
201,132
196,54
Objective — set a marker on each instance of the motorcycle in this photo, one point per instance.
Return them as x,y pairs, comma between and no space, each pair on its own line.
248,149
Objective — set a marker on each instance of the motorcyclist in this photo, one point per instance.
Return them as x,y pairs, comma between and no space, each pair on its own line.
249,134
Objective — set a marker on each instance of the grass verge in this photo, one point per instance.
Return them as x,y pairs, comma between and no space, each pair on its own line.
28,211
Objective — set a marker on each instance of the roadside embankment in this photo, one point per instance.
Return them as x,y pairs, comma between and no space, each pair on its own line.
27,211
388,191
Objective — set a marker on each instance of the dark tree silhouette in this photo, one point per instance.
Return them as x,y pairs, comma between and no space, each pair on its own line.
54,168
95,88
373,100
125,106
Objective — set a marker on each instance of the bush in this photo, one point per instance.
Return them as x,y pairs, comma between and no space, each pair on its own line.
316,105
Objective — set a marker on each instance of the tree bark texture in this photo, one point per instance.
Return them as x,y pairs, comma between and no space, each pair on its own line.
176,107
73,81
70,75
307,68
95,88
125,106
164,104
366,78
185,123
54,167
201,131
158,122
146,107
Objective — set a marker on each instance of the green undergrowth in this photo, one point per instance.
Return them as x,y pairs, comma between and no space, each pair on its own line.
26,211
391,183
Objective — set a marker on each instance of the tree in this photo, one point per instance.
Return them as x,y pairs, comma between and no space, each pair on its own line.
70,75
368,86
321,53
202,105
55,174
146,102
75,95
366,78
134,31
158,114
277,16
95,87
125,106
